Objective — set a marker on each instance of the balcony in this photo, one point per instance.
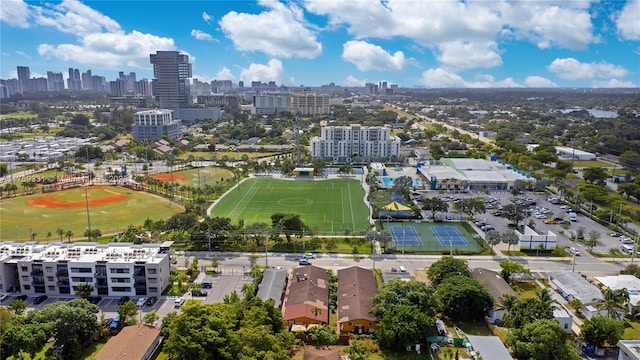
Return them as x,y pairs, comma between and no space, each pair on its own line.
63,283
100,275
37,273
62,272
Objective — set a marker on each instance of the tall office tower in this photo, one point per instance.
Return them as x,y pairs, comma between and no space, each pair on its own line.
170,86
23,78
86,80
55,81
74,82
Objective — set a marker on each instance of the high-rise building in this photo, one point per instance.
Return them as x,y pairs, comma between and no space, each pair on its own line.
306,103
98,83
24,74
142,87
74,82
55,81
118,87
343,143
170,86
154,124
87,84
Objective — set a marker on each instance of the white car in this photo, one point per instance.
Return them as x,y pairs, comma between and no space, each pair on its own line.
3,296
142,301
573,251
308,256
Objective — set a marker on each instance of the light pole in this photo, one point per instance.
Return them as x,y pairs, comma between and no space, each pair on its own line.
635,249
450,246
86,202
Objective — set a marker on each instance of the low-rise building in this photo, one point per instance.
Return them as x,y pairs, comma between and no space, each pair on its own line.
154,124
306,300
272,285
114,269
529,239
629,282
496,287
629,350
571,285
356,287
132,343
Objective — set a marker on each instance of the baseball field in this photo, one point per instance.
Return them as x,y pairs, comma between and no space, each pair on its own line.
326,206
195,177
111,209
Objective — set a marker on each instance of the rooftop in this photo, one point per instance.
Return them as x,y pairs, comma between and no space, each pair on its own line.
273,282
575,286
356,286
493,282
489,347
133,342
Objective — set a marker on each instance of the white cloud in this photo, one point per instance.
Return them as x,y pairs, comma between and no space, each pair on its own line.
353,81
73,17
109,50
272,71
201,35
206,17
278,32
628,21
614,83
366,56
442,78
572,69
547,24
225,74
24,54
469,55
14,13
539,82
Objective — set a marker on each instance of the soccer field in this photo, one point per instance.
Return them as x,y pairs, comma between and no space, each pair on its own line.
326,206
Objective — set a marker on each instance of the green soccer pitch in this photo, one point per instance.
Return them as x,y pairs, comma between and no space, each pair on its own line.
328,207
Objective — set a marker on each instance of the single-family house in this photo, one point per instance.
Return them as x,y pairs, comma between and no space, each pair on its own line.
629,282
488,347
496,287
272,285
629,350
571,285
132,343
356,287
306,300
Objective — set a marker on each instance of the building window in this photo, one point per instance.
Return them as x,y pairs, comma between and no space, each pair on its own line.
121,289
119,271
81,270
27,287
153,281
49,269
151,271
153,289
51,288
25,278
24,269
49,278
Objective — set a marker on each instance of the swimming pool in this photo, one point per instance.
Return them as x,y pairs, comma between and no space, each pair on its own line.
388,182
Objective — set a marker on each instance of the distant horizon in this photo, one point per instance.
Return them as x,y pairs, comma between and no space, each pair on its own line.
412,43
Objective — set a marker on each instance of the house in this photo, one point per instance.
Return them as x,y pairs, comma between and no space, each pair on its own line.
488,347
629,350
272,285
571,285
496,287
356,287
564,318
629,282
132,343
306,300
320,354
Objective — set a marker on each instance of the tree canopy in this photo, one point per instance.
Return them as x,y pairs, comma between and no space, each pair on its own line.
527,311
599,330
463,298
542,339
446,266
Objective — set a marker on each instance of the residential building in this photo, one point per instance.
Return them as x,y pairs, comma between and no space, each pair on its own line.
170,86
618,282
307,103
132,342
571,285
306,300
488,347
114,269
356,287
154,124
118,88
629,350
321,354
271,104
24,74
564,318
55,81
74,81
87,83
496,286
272,285
344,143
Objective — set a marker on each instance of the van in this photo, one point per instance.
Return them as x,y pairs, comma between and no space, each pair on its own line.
402,269
178,302
626,249
573,216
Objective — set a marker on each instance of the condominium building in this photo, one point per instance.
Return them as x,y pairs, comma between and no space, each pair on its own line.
114,269
171,71
307,103
303,103
153,124
343,143
271,104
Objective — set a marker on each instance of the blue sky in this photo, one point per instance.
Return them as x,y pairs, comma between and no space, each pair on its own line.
412,43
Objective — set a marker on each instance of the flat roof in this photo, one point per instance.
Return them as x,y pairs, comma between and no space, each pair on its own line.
573,284
631,348
133,342
272,285
489,347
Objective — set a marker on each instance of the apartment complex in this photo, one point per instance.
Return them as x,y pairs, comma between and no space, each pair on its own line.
115,269
170,86
343,143
153,124
301,103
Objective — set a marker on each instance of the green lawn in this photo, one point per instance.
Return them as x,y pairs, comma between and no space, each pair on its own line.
214,175
18,218
328,207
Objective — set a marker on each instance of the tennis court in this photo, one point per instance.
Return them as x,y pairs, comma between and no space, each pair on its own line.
432,237
405,235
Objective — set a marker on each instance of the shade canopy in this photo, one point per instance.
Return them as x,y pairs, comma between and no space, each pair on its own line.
396,206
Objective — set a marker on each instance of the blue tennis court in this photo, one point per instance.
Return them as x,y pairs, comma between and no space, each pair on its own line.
449,235
405,235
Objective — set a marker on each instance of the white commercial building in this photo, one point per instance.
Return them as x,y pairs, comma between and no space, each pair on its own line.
114,269
343,143
531,240
153,124
575,154
464,174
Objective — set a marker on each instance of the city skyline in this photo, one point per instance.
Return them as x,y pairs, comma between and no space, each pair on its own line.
444,44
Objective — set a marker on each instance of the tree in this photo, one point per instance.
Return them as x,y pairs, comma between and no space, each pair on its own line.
515,213
593,239
26,338
434,204
471,206
492,238
403,185
541,339
595,175
17,307
150,318
290,224
506,302
60,232
316,311
545,295
446,266
84,290
69,235
613,302
128,312
630,159
463,298
323,336
510,237
511,267
527,311
632,269
600,330
575,305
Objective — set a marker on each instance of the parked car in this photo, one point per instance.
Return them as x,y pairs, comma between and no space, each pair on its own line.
615,234
152,301
573,251
304,262
22,297
206,284
308,256
3,296
94,299
40,299
141,302
123,300
177,303
107,322
198,292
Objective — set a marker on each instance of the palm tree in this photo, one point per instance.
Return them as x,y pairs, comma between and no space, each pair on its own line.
506,302
492,238
613,303
614,252
545,295
69,234
316,311
60,232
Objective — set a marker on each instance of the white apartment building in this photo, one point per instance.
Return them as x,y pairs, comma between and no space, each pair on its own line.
270,104
307,104
115,269
343,143
153,124
302,103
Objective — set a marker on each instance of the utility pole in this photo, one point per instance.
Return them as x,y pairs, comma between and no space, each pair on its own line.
86,201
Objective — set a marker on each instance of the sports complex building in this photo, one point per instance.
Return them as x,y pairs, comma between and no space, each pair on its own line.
461,174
